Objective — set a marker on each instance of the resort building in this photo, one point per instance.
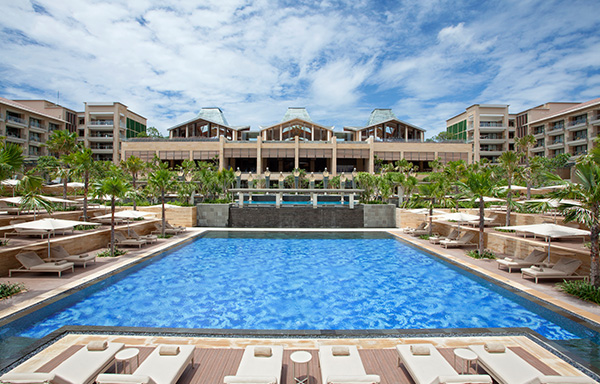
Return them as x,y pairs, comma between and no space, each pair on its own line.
102,127
52,109
28,127
571,130
489,128
295,142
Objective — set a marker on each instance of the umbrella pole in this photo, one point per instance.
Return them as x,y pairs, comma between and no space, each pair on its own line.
49,244
549,243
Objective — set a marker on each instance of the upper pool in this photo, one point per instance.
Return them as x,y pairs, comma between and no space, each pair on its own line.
298,280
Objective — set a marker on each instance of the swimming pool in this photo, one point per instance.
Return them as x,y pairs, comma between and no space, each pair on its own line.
298,280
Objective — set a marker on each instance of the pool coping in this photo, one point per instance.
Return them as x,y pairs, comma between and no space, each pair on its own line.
575,314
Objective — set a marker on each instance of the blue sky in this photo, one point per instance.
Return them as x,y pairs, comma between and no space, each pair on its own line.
426,59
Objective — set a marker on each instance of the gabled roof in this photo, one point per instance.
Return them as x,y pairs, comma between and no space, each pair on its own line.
576,108
296,113
212,115
28,109
381,116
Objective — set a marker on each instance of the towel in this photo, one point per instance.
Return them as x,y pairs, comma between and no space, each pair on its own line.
263,352
536,268
61,262
97,345
494,347
508,258
168,350
340,351
420,350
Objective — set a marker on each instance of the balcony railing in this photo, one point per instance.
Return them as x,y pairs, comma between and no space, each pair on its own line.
16,119
36,124
102,147
13,135
577,122
556,127
485,124
557,142
102,122
107,136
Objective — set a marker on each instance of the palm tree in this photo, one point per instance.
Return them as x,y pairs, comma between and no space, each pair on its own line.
523,145
11,159
115,187
62,143
454,171
435,189
133,166
479,183
587,173
83,164
510,164
162,179
188,170
31,186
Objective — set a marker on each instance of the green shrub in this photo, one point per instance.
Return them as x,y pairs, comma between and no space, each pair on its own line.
9,289
486,254
581,289
118,252
4,242
85,227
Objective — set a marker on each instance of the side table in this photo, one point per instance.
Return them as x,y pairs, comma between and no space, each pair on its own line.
299,358
125,356
467,356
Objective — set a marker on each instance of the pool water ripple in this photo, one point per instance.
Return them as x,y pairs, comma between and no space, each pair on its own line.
298,283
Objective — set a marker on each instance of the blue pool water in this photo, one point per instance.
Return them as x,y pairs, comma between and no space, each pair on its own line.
297,281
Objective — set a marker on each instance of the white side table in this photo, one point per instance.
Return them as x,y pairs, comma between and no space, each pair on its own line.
125,356
467,356
298,358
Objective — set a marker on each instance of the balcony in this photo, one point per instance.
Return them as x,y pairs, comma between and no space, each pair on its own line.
492,128
556,144
36,142
595,120
101,138
37,129
578,124
555,131
539,134
491,139
577,141
14,138
539,148
104,125
15,120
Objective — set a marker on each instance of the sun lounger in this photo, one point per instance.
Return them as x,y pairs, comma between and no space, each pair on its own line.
6,208
535,257
57,253
81,368
464,241
176,227
487,222
259,365
31,262
342,364
420,232
120,239
506,367
148,238
165,365
410,230
168,231
453,235
426,365
28,232
564,269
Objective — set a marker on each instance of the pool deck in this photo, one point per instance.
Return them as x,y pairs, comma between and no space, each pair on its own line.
378,354
217,357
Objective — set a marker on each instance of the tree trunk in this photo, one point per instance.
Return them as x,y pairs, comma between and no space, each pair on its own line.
430,219
86,182
164,219
65,181
134,190
508,202
112,226
594,249
481,224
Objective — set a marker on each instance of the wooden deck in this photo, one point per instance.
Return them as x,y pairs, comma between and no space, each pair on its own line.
211,365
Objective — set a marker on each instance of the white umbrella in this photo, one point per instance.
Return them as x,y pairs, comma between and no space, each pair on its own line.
486,199
127,214
425,211
11,182
512,187
51,225
549,231
73,184
459,217
52,199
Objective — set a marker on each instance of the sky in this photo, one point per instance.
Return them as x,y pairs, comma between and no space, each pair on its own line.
427,60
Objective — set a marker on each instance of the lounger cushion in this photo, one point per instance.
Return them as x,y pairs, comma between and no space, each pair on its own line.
340,351
494,347
250,380
374,379
333,367
424,369
265,367
166,369
111,378
544,379
417,349
51,267
263,352
506,367
168,350
33,378
463,379
85,365
97,345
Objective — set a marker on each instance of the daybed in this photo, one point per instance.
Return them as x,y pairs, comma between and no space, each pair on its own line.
564,269
31,262
535,257
259,365
342,364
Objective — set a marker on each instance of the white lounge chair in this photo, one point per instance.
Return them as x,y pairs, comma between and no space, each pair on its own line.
410,230
120,239
535,257
148,238
508,368
564,269
81,368
420,232
163,366
464,241
261,369
342,364
57,253
433,367
31,262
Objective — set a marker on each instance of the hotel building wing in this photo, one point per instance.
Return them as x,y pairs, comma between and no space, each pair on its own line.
295,142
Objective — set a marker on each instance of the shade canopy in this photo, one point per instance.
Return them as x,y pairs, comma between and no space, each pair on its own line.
512,187
486,199
18,200
460,217
11,182
425,211
127,214
73,184
552,203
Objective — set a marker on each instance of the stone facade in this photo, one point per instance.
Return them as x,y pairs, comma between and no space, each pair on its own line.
212,215
380,216
296,217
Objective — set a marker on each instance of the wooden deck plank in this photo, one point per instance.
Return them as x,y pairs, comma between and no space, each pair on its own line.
211,365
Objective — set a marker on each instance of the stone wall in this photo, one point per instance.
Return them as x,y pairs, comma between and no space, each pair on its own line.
79,243
185,216
212,215
296,217
379,215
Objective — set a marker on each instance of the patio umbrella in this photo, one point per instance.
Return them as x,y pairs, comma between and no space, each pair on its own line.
546,204
549,231
486,199
458,217
51,225
127,214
